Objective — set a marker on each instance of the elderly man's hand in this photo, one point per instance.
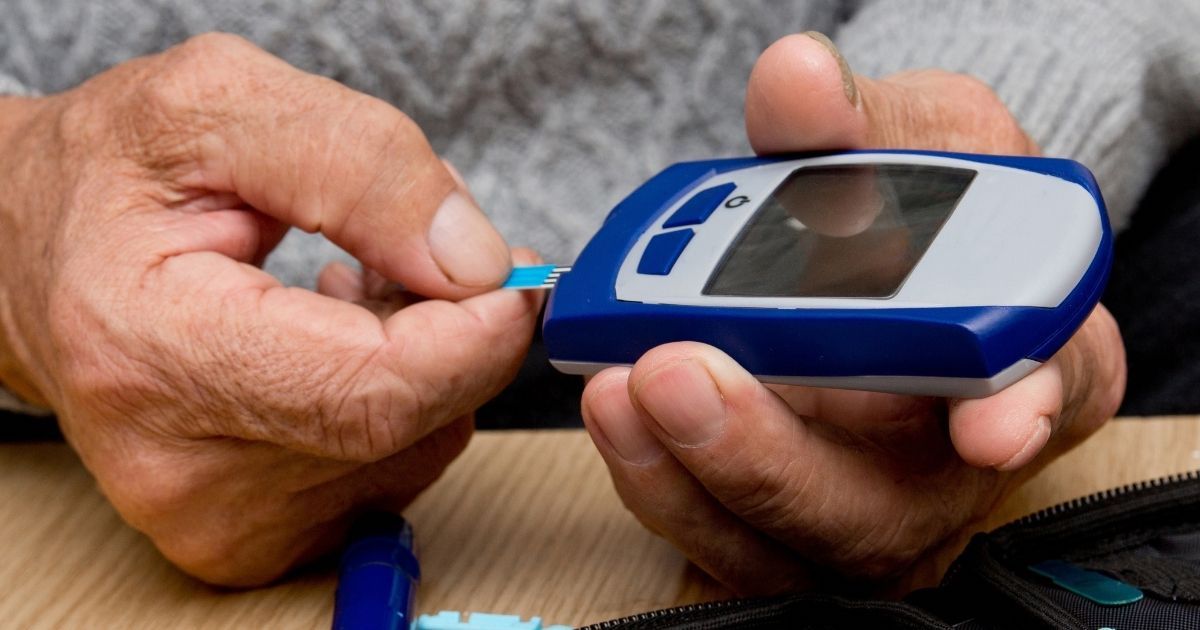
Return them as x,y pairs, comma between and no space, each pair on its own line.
771,488
238,423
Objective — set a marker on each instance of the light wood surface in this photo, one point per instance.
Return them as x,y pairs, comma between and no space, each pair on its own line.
525,522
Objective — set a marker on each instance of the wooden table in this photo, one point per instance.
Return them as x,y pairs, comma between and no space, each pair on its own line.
525,522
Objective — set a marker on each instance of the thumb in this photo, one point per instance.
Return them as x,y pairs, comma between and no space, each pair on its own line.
802,96
314,154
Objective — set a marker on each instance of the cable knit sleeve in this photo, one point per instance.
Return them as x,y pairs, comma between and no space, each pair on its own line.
12,87
1112,84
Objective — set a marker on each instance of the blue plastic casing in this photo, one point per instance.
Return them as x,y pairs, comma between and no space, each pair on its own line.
585,322
378,576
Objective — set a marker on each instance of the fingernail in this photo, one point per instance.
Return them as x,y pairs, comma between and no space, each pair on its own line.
616,419
454,172
1033,445
465,246
684,401
341,282
848,85
343,274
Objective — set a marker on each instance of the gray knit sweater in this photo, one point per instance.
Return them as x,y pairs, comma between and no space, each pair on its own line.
554,110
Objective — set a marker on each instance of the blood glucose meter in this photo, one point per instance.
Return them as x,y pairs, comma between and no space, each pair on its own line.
899,271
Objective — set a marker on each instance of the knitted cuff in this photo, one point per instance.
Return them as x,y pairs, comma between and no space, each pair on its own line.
11,87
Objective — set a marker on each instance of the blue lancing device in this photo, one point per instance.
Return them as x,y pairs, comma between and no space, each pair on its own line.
913,272
377,576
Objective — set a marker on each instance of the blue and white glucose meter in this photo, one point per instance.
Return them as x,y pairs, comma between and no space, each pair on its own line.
900,271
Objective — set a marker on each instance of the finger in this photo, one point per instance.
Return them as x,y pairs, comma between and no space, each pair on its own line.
317,155
375,285
839,203
802,96
1008,429
389,484
874,261
241,234
836,500
327,377
392,483
367,289
671,502
1052,409
379,290
338,280
252,511
458,179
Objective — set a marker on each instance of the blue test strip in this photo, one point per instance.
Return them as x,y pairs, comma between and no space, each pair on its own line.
534,277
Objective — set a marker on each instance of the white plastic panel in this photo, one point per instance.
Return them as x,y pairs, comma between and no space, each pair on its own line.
1016,238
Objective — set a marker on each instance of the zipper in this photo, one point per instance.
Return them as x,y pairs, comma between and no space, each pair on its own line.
1097,516
988,570
1087,502
666,613
775,612
1098,513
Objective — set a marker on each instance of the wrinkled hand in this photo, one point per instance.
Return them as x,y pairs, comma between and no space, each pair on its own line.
238,423
773,488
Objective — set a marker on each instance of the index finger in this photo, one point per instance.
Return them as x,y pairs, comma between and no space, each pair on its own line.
324,376
317,155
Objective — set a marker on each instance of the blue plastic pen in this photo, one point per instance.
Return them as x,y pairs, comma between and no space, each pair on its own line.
377,580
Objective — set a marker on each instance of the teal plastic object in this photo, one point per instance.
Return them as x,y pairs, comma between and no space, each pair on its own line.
1091,585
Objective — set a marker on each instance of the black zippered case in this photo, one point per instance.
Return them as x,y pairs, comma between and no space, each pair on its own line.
1145,536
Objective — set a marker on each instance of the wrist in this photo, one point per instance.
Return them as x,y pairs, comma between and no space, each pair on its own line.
11,402
19,227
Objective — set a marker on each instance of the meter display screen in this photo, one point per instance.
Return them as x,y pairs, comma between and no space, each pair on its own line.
853,231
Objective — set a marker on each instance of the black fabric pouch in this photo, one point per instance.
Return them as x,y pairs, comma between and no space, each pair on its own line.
1144,536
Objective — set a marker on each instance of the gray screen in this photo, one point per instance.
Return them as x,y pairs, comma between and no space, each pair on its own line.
854,230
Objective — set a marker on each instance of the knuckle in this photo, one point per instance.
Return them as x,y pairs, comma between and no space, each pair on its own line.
205,45
988,125
80,123
375,153
204,526
205,555
149,490
178,85
972,87
223,554
200,55
381,130
183,87
1008,135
